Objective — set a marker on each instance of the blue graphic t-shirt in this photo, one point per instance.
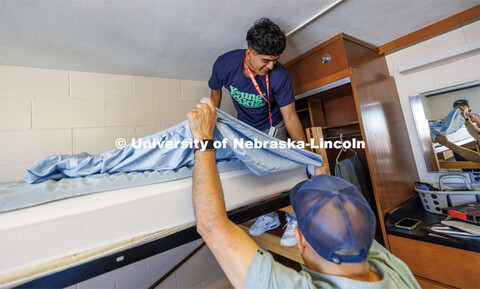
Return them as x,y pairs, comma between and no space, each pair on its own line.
251,107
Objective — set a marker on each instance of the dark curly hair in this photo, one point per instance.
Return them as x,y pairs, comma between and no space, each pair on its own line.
265,37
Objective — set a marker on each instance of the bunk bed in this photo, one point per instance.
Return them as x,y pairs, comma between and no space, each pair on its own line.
63,242
459,138
75,213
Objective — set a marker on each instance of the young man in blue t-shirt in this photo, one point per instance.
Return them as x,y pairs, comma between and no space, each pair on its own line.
263,97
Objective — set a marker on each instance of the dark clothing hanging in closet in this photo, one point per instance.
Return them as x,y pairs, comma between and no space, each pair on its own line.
352,171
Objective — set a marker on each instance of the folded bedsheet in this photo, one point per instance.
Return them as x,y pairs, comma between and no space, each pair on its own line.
265,160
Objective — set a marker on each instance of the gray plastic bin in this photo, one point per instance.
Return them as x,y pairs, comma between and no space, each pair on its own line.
434,201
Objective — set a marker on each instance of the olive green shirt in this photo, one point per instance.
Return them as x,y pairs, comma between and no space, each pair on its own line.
265,272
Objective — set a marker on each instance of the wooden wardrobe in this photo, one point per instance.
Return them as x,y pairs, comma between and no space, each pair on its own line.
343,86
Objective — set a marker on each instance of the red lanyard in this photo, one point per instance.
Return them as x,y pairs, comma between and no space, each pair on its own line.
259,91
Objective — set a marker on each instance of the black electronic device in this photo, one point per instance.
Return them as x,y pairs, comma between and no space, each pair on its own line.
408,224
469,212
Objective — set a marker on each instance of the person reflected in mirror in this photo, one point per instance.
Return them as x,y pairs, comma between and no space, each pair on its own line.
472,123
453,121
460,116
464,105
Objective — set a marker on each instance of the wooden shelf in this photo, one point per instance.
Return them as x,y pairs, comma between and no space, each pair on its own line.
459,165
341,125
322,81
272,243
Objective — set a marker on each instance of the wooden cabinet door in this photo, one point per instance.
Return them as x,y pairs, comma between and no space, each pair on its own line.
454,267
389,152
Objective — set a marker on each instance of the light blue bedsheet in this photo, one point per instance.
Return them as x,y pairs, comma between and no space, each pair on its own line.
453,122
130,159
113,170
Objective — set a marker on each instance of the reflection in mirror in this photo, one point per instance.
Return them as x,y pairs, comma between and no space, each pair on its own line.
448,126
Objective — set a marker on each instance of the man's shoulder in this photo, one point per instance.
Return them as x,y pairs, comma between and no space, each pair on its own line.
380,254
233,55
376,248
279,72
396,269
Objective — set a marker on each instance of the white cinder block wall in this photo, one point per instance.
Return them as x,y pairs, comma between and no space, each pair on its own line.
45,112
201,271
460,69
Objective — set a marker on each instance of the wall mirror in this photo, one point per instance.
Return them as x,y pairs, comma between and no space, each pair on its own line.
430,110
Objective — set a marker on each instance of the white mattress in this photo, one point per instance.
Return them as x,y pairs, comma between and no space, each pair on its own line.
33,236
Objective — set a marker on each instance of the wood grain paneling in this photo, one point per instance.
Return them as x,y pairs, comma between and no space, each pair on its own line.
322,81
354,128
358,41
317,117
332,107
311,67
314,50
340,110
339,91
459,165
461,19
364,58
436,262
391,163
307,70
328,42
391,190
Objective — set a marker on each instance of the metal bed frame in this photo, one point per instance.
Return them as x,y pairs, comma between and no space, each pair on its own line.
117,260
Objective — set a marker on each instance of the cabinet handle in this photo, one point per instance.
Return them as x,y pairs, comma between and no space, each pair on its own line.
326,58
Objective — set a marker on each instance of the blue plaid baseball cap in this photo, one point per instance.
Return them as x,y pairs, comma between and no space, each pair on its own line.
334,218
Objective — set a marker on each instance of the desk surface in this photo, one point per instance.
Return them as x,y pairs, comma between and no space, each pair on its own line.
413,209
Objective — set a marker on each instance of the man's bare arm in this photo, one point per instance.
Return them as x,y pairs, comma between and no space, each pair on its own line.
231,246
473,130
292,122
216,96
471,123
463,152
475,120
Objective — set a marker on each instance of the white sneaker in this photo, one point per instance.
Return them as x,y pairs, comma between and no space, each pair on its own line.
288,239
264,223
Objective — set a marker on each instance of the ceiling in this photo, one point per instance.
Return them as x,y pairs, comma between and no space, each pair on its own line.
182,38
